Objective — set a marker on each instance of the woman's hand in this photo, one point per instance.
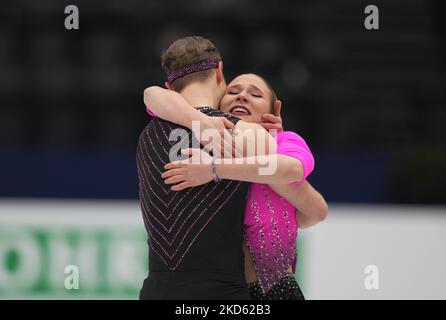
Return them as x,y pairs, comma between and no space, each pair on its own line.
192,172
273,121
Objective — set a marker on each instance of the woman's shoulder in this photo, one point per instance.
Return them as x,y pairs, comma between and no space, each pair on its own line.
289,136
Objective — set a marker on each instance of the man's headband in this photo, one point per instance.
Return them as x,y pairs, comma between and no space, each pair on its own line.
192,68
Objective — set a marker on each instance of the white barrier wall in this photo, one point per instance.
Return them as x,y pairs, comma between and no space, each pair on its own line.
407,244
404,247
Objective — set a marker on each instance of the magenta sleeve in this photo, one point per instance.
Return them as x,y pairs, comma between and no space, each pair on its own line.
150,112
291,144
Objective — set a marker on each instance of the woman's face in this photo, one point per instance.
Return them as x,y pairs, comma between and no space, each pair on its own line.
247,97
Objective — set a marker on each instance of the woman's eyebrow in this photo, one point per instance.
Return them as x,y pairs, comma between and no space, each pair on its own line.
235,86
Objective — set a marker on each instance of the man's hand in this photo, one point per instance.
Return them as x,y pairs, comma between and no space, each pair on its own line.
273,121
214,134
192,172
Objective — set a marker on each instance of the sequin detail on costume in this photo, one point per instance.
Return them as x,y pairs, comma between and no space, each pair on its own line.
286,289
270,235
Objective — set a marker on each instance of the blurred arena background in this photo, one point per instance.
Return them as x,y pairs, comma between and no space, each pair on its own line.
370,103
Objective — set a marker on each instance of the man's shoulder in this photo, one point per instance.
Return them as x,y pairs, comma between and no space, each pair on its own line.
158,124
160,130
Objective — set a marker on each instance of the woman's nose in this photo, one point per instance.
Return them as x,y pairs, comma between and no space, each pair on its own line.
242,96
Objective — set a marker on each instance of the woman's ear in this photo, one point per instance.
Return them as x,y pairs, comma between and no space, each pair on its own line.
168,86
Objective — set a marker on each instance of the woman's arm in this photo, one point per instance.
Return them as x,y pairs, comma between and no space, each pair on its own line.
172,106
267,169
310,205
197,170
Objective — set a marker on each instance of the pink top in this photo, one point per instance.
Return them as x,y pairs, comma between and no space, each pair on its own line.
270,220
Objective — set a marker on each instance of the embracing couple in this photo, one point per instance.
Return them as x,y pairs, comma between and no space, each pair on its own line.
221,229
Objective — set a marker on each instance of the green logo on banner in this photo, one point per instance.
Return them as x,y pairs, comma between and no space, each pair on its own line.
72,262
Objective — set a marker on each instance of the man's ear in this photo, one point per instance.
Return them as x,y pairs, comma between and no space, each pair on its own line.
220,76
169,86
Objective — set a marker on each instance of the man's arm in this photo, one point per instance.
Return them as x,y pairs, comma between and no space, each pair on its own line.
310,205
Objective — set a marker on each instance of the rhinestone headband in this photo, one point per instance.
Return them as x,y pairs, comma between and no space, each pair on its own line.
196,67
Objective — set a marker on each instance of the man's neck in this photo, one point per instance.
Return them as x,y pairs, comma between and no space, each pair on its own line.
200,95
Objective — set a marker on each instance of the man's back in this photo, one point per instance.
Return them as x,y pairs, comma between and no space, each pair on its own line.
194,235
